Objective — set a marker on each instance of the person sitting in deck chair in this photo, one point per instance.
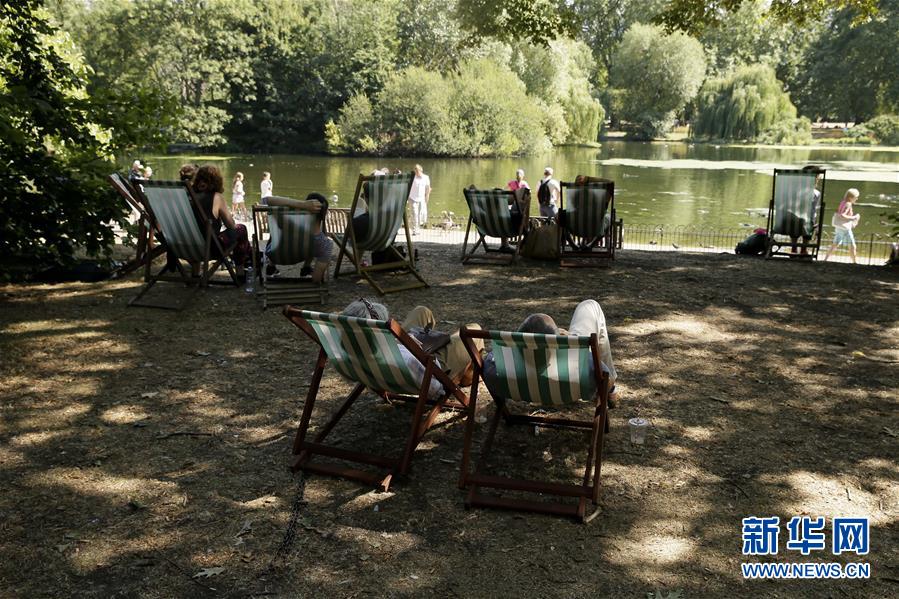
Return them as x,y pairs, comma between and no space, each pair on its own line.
316,204
208,187
453,357
587,319
800,220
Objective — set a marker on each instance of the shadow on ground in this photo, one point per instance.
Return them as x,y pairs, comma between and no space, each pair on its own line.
139,448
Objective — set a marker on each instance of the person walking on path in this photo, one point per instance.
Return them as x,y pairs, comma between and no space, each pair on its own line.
266,186
419,195
843,221
548,194
238,197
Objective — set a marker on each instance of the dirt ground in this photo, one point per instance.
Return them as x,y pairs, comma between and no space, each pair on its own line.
145,453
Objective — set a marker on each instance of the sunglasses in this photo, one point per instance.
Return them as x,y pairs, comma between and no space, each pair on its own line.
370,308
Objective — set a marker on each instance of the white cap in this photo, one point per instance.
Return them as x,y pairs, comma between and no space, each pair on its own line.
548,171
136,164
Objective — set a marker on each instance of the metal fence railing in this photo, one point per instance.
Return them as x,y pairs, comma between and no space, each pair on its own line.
449,229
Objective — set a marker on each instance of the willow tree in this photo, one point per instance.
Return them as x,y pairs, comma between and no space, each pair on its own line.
742,105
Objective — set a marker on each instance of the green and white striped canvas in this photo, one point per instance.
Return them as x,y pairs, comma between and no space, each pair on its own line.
364,351
291,238
174,213
490,211
547,370
795,203
386,201
585,210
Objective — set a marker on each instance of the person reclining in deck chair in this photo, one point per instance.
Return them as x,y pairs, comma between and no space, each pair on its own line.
316,204
452,358
587,319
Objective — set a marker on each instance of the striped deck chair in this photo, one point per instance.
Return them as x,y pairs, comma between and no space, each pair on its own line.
385,197
796,213
290,240
543,371
367,353
587,224
489,211
145,249
174,213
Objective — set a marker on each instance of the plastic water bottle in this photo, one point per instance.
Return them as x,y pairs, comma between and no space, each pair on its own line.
251,280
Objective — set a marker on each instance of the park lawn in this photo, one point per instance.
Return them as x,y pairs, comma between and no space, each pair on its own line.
140,448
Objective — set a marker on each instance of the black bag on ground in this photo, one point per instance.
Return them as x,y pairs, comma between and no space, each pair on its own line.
754,245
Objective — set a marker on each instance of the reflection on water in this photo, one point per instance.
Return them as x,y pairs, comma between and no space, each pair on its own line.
655,183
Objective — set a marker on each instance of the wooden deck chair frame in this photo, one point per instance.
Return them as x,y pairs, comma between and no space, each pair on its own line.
423,418
600,249
502,219
779,240
190,250
597,426
145,249
285,290
382,231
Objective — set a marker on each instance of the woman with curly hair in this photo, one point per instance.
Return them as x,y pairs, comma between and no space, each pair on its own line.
208,187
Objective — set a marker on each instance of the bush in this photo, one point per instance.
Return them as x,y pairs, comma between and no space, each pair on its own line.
885,128
795,132
749,104
482,110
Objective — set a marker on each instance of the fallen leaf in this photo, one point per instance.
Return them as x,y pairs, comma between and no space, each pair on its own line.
247,527
207,572
890,431
201,353
149,394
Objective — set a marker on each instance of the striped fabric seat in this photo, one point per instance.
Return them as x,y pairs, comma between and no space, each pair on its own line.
174,214
291,238
490,211
795,203
386,198
364,351
586,209
547,370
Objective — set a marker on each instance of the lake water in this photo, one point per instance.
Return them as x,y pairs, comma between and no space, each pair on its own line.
655,183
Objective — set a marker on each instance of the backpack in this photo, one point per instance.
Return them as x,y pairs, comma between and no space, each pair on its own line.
543,194
754,245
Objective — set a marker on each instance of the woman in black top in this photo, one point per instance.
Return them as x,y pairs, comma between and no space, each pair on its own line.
208,187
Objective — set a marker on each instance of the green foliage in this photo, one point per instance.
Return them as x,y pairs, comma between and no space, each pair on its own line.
851,76
482,110
694,16
885,129
746,104
559,75
429,35
509,20
658,74
602,24
584,115
791,132
53,154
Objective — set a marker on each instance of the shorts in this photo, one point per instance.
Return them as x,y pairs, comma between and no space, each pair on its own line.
843,237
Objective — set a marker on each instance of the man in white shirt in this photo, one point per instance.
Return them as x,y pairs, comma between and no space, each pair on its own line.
548,194
419,195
